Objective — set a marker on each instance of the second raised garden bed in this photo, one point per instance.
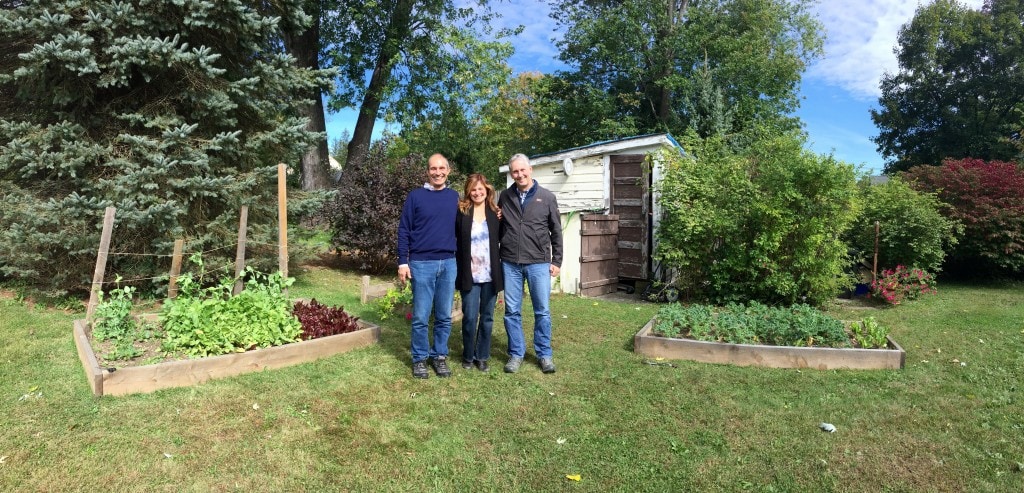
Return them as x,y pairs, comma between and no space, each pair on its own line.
821,358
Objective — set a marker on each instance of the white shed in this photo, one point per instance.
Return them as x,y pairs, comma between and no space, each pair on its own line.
611,179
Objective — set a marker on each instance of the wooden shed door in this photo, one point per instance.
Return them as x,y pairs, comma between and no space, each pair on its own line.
630,190
599,257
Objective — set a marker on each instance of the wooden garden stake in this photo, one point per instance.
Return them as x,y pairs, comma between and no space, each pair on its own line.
282,214
874,268
243,219
101,264
172,286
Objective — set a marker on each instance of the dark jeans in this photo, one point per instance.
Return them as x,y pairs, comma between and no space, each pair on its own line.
477,321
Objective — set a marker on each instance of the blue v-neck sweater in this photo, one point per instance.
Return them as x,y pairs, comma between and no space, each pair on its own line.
426,230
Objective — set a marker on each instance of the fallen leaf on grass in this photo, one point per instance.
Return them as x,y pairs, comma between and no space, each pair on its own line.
573,477
3,459
560,441
255,407
167,456
658,362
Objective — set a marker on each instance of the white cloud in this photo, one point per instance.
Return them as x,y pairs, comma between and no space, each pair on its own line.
860,42
535,50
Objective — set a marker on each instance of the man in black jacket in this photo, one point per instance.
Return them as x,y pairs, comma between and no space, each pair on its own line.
531,253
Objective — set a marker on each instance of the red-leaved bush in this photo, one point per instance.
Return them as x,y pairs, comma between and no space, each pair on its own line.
368,202
319,320
987,198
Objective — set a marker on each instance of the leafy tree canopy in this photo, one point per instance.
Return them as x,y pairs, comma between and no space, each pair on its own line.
959,90
668,65
412,61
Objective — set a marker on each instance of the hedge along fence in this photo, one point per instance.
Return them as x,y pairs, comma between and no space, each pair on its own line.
189,372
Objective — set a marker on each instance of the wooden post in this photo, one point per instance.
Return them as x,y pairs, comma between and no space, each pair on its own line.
364,290
101,265
243,219
874,267
282,214
172,287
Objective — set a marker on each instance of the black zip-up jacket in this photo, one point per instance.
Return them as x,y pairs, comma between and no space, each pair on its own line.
530,235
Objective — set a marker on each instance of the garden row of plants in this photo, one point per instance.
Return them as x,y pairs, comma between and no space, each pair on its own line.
207,320
755,323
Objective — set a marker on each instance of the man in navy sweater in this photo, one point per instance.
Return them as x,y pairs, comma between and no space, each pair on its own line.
426,256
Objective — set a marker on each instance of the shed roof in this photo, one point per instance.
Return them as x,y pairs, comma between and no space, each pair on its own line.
603,147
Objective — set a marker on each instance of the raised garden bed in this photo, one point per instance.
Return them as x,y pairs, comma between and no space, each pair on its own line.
182,373
821,358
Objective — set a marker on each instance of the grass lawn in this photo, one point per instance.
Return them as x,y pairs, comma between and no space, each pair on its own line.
952,420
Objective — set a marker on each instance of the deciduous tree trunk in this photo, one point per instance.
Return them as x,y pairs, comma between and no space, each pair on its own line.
305,47
399,27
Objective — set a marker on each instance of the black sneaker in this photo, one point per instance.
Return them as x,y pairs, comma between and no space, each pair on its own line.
440,365
467,365
419,369
482,365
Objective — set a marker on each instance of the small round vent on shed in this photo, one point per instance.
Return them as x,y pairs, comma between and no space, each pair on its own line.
567,166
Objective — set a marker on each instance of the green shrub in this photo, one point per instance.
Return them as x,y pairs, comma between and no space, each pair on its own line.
761,224
912,230
392,299
752,323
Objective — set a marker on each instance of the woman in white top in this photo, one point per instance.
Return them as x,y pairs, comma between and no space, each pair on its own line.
479,277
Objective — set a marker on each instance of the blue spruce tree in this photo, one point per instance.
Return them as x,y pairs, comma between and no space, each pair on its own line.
175,112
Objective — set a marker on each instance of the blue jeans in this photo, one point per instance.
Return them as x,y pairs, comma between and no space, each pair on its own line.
478,321
433,289
538,278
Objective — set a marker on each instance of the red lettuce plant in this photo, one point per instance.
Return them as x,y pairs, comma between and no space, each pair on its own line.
319,320
902,284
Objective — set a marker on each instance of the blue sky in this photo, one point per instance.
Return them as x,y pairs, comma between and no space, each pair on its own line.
838,90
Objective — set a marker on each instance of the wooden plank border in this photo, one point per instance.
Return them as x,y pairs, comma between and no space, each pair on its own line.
820,358
183,373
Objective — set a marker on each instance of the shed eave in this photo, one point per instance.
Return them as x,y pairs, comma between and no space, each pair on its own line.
600,148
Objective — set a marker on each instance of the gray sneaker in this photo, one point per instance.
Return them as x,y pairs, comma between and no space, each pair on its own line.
546,365
513,364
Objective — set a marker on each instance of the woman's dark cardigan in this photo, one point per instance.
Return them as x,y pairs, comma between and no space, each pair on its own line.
463,250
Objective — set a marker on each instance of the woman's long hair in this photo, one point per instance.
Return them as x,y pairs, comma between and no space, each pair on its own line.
471,181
